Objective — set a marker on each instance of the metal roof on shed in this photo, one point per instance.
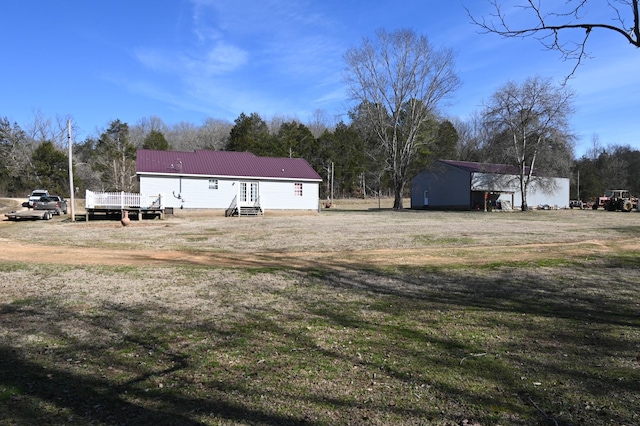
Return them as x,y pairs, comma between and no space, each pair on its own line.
473,167
223,163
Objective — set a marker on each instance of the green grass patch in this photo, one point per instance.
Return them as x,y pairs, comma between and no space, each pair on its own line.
8,393
430,240
253,271
14,266
196,239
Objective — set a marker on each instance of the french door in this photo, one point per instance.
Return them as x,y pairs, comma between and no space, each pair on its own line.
248,192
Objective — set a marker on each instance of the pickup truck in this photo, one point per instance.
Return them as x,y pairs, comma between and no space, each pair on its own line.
35,196
53,203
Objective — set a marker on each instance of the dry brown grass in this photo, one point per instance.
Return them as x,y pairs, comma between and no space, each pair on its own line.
353,316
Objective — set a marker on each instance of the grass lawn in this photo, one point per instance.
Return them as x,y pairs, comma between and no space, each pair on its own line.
355,316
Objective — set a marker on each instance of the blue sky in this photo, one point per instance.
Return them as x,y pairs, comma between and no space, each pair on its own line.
189,60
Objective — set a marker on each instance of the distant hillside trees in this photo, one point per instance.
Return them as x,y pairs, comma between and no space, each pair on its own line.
26,164
614,167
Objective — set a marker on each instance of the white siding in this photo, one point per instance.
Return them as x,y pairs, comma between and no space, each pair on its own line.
190,192
494,182
280,195
194,192
557,196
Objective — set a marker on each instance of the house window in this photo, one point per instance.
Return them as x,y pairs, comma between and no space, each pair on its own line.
213,183
297,190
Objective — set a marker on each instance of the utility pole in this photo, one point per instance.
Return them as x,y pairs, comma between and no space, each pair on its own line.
71,188
332,175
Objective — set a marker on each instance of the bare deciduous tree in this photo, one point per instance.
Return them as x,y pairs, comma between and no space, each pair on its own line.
530,127
400,79
43,129
214,134
144,126
319,123
471,137
183,136
546,20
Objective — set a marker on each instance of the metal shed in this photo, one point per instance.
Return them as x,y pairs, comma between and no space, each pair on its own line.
465,185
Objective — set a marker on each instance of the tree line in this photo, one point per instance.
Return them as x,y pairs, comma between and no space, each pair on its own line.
106,162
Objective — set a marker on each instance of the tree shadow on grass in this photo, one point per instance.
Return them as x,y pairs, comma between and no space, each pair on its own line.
583,315
360,326
37,388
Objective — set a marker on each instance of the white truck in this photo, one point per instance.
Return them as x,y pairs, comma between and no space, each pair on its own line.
36,195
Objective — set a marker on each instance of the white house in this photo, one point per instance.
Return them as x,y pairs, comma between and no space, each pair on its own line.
228,180
465,185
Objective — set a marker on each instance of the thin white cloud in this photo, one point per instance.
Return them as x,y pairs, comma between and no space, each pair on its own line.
271,56
220,58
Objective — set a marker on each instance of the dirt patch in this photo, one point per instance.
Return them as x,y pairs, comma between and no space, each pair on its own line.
357,235
20,252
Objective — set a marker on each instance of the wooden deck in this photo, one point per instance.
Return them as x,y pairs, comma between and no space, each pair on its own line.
114,204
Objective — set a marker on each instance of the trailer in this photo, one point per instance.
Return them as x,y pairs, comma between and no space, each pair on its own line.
30,215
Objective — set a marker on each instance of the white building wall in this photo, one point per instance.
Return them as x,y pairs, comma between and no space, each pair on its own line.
558,196
194,192
280,195
189,192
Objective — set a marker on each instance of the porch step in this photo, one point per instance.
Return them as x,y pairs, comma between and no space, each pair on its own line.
250,211
245,211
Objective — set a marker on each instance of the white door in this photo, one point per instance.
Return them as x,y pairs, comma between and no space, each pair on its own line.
248,192
254,192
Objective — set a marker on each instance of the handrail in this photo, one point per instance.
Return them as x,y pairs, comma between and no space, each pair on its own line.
232,206
258,204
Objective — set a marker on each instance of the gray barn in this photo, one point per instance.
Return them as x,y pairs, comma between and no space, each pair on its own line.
464,185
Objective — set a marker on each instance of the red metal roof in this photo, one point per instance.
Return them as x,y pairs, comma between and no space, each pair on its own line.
473,167
223,163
